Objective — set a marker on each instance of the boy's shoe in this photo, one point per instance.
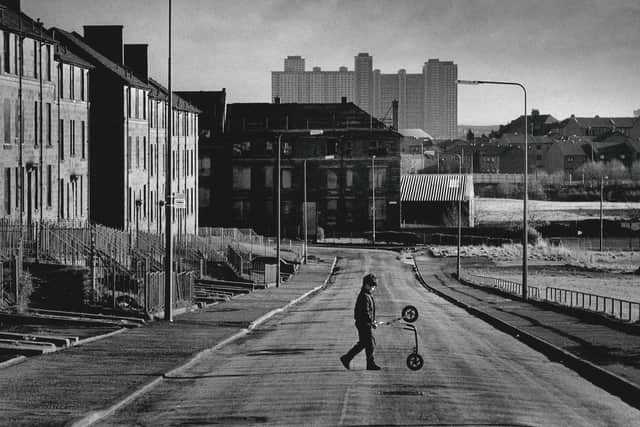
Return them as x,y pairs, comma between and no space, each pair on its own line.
345,361
373,367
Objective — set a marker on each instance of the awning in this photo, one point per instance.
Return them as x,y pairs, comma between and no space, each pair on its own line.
436,187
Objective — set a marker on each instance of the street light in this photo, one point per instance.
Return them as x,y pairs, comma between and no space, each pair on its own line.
460,194
602,178
168,245
278,213
525,238
373,197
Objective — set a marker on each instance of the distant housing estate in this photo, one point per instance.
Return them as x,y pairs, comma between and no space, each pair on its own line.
427,100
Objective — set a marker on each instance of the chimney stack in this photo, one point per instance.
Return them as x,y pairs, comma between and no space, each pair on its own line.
343,100
136,57
106,39
394,105
276,100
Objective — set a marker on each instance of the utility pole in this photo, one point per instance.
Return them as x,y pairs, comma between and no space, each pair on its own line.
601,213
168,247
278,212
373,198
304,204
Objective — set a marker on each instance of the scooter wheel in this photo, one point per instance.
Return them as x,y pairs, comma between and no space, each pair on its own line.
410,314
415,362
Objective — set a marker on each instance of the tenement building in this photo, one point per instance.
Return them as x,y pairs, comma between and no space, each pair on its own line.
43,166
349,160
427,100
128,131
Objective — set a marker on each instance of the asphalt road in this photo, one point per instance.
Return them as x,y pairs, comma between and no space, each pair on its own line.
287,372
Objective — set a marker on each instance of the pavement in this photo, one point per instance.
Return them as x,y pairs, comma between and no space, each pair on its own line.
606,353
84,383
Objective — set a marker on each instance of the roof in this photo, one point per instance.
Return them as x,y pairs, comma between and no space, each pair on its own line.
515,138
14,21
570,149
415,133
243,117
63,54
435,187
76,43
601,122
158,91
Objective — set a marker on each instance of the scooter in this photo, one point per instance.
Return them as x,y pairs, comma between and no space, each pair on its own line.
409,315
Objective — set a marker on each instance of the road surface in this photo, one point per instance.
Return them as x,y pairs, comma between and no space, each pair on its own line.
288,373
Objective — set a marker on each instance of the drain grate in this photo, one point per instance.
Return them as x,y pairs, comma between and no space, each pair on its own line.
401,393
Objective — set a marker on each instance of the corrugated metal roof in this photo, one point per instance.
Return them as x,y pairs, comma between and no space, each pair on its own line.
435,187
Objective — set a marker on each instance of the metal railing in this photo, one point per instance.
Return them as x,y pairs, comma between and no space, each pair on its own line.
618,308
614,307
507,286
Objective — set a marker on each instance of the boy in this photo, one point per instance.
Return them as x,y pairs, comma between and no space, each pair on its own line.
365,316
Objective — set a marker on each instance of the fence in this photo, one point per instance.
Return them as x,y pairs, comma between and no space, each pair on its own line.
121,265
614,307
182,289
452,239
618,308
508,286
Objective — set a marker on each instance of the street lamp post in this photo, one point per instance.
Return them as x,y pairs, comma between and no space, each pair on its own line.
602,178
525,233
278,212
168,246
460,194
373,198
304,204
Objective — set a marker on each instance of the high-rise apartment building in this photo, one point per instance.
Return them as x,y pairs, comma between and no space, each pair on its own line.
364,93
295,85
294,64
441,98
427,100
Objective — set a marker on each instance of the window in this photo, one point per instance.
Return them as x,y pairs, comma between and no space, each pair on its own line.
35,123
48,60
129,153
268,176
72,93
81,198
35,58
7,120
72,138
61,139
332,179
151,159
35,189
144,152
7,186
241,178
349,178
137,151
48,123
83,139
137,103
60,81
128,102
381,174
241,210
332,148
286,178
144,105
61,198
82,85
7,53
204,166
17,184
49,178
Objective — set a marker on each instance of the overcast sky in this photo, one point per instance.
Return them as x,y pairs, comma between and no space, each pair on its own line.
574,56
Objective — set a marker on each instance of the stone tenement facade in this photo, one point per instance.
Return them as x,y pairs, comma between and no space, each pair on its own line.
43,173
